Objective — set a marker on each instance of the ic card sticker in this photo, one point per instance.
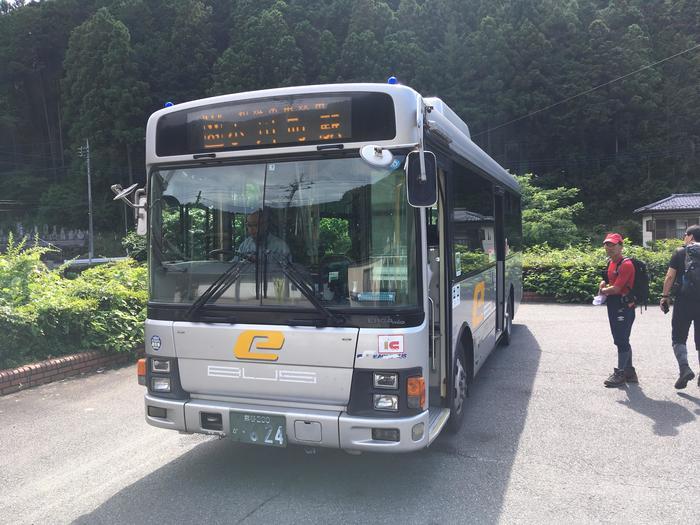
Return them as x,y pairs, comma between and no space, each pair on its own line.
390,344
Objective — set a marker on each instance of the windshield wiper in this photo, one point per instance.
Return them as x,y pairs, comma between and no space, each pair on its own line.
307,292
218,287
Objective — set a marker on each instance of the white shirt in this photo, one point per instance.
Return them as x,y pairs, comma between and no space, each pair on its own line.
272,243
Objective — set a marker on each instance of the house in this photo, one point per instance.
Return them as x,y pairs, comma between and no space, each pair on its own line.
669,217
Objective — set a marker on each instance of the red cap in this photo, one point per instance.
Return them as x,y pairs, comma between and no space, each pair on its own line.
614,238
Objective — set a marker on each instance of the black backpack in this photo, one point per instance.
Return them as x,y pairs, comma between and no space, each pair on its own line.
639,294
690,284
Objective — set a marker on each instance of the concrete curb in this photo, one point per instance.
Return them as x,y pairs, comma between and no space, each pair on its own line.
23,377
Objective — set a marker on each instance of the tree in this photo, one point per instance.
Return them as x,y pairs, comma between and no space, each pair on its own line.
360,58
104,100
263,54
548,215
174,46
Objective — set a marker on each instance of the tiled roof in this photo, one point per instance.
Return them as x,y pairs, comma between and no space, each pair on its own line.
470,216
677,201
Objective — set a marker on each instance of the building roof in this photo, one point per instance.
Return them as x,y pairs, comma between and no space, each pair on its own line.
676,202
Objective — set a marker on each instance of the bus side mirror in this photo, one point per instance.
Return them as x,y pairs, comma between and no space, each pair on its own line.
140,212
421,184
139,204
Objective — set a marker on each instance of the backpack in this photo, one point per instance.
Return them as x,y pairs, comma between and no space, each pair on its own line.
690,284
639,294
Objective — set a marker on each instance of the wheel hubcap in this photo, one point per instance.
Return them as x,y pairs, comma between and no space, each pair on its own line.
460,386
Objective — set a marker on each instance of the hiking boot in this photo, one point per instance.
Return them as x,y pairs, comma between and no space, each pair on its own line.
685,376
617,378
631,375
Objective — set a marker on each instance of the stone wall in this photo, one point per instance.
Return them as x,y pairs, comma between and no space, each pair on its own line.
26,376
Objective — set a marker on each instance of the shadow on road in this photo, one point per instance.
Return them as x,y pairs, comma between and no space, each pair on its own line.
694,399
459,477
666,415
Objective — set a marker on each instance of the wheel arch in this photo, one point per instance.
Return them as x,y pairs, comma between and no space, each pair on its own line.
465,342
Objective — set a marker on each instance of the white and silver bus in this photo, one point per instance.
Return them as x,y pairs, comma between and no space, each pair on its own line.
329,266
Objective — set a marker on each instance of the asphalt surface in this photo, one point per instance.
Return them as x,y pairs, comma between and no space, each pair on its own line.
543,442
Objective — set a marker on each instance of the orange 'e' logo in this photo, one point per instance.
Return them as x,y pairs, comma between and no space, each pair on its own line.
478,303
269,340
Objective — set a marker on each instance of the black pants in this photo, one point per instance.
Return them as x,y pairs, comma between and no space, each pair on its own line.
684,313
621,318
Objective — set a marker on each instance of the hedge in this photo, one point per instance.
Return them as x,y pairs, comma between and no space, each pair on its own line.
571,275
45,314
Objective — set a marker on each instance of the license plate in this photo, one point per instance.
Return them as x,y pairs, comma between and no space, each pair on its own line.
258,429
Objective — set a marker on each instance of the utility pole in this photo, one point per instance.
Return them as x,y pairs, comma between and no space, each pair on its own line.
84,151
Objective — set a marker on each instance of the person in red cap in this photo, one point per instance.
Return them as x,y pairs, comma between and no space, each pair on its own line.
617,285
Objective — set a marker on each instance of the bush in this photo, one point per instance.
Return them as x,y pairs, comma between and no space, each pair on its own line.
135,246
548,214
571,275
19,267
43,314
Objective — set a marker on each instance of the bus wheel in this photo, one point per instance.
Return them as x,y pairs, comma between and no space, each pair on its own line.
458,397
508,328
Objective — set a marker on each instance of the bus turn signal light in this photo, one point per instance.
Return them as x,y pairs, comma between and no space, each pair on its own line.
415,389
141,371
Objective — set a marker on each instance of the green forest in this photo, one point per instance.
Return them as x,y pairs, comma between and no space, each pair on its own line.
555,88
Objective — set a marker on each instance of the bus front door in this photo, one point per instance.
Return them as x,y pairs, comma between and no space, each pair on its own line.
501,295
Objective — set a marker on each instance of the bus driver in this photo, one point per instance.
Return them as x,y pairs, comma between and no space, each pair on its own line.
257,230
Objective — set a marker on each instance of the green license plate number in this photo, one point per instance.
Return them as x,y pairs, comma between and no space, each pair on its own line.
258,429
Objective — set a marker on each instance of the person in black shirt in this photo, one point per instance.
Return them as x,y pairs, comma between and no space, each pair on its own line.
686,309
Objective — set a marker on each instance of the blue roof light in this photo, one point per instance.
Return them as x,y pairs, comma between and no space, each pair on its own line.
169,104
392,80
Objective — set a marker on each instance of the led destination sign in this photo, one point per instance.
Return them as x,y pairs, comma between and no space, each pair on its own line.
271,122
294,120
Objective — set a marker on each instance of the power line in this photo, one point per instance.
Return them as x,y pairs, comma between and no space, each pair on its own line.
587,91
31,144
621,156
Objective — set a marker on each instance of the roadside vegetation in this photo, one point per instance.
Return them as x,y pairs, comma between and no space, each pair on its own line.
565,261
572,274
48,313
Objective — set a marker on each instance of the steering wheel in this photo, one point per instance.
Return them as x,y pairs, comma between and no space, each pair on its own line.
221,251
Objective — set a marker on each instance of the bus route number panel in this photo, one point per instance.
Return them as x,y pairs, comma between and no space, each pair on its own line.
272,122
258,429
295,120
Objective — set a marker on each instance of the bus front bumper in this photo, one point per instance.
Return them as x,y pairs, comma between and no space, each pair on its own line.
306,427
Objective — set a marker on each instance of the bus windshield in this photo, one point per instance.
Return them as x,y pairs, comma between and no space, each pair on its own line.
326,233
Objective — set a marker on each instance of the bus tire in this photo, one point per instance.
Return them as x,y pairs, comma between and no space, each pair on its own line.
458,394
508,328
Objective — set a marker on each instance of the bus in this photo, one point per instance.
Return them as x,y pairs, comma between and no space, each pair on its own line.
329,265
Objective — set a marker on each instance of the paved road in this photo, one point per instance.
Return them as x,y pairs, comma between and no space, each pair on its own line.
543,441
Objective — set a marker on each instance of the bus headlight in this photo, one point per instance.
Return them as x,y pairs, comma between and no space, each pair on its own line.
386,402
160,384
386,380
160,365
